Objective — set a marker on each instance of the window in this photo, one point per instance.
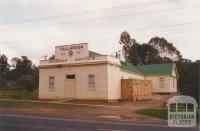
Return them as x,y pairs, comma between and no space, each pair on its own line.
161,82
70,76
190,107
91,82
51,83
173,107
181,107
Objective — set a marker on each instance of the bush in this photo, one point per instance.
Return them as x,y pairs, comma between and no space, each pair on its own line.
3,84
29,85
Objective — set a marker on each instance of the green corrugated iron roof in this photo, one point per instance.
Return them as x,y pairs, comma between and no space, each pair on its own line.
152,69
129,67
94,54
165,68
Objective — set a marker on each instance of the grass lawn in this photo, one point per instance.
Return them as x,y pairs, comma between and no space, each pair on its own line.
5,94
158,113
22,104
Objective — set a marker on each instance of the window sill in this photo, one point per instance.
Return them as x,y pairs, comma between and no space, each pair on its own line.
91,90
51,89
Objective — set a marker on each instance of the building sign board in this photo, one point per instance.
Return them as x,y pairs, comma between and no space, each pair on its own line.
182,111
71,51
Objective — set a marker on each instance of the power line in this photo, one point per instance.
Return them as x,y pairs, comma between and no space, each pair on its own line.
169,33
123,15
181,26
137,4
129,14
139,30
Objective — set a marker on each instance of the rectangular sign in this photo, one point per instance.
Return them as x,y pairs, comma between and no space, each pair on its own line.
71,51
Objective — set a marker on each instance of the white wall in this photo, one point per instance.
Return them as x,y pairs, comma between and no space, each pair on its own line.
173,79
44,91
173,84
170,82
107,81
82,87
156,83
130,75
114,82
174,71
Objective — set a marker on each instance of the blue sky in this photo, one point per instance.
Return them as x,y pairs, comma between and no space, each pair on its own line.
34,27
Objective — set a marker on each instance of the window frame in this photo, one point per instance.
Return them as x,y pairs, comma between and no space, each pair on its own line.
161,82
70,76
51,83
91,82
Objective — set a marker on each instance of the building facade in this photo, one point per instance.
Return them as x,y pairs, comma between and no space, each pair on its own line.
78,73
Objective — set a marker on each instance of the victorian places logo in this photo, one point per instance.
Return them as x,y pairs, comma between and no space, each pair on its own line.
182,111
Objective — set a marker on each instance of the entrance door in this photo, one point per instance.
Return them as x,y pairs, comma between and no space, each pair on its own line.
70,86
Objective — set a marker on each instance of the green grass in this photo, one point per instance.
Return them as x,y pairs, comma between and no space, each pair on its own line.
158,113
18,95
23,104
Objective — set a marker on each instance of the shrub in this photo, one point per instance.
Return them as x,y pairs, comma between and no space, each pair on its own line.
29,85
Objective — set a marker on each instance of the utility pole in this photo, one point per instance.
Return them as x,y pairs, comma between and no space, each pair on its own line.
45,57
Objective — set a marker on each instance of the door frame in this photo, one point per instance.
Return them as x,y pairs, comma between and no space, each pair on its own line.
66,88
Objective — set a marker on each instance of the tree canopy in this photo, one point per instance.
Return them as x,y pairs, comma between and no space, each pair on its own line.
159,50
4,67
165,49
17,75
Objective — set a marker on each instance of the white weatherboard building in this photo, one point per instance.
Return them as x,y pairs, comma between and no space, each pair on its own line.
79,73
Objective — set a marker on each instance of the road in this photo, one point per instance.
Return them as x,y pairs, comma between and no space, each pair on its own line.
14,122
